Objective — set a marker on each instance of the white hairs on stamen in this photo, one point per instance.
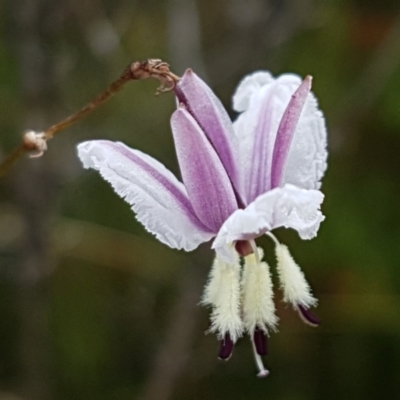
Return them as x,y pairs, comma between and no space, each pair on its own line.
223,292
212,287
296,289
257,293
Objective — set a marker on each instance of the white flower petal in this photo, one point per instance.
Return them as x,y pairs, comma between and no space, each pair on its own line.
306,163
289,207
156,196
264,100
286,132
295,208
256,129
249,84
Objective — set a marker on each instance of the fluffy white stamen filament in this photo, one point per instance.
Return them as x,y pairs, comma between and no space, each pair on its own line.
296,289
211,289
257,294
258,305
223,293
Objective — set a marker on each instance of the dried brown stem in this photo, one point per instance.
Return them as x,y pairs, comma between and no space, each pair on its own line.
114,88
36,142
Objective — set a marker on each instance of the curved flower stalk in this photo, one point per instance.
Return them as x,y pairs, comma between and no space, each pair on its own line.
240,181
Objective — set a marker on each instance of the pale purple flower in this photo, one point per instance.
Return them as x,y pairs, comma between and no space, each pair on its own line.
240,181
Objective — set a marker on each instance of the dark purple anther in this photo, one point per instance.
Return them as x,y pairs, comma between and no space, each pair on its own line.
260,342
308,317
226,348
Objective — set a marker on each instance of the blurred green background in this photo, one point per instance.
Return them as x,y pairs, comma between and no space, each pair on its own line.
91,305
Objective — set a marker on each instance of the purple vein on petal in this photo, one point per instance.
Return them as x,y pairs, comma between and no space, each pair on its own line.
286,130
210,114
209,189
180,197
259,179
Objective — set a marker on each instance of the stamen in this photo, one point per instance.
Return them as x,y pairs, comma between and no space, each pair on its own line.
260,342
257,295
212,288
226,349
263,372
308,317
273,237
296,289
255,251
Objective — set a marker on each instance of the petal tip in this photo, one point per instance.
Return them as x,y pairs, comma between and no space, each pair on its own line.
189,74
178,113
84,151
308,82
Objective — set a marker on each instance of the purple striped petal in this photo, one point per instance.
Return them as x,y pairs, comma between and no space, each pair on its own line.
306,162
259,176
207,183
286,131
210,114
263,100
155,194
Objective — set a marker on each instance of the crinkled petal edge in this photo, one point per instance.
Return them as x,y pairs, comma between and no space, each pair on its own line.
288,206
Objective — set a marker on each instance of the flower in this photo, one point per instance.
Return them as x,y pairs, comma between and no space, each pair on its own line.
240,181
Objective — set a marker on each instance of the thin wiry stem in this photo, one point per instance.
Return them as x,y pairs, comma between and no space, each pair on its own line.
36,142
100,99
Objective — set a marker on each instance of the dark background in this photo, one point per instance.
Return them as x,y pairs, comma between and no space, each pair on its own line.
92,306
